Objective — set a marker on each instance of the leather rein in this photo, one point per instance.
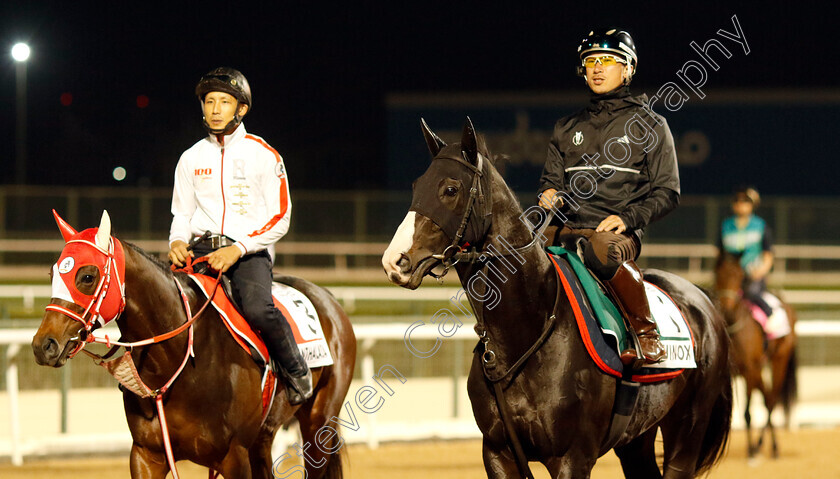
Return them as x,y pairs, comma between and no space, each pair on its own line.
124,365
455,253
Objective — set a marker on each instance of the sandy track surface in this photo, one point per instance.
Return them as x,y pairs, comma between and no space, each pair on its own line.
806,453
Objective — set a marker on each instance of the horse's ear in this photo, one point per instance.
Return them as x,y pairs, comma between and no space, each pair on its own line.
433,141
103,234
469,142
67,231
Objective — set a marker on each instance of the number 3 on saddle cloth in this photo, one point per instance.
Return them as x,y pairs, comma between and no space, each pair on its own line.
604,332
296,308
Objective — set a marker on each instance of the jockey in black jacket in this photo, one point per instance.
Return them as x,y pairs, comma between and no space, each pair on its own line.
611,170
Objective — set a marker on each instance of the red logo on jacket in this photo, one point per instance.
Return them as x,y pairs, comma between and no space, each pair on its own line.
203,171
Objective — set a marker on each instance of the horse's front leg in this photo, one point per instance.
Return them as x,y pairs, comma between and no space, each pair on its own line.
499,463
573,465
145,464
236,464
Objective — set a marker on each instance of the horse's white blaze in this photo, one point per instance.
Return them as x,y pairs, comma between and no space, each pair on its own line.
400,243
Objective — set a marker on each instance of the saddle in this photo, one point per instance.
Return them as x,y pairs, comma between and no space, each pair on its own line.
604,331
296,308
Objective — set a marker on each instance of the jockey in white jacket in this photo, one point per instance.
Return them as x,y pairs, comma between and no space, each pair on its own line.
237,187
234,185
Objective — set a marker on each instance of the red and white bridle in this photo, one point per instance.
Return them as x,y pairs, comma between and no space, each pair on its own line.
100,308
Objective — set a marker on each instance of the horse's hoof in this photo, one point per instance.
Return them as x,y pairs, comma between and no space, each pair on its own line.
753,462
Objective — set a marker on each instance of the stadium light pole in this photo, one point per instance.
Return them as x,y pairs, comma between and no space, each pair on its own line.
20,53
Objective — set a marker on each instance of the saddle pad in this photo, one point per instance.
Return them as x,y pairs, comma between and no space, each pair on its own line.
778,324
305,324
297,309
673,330
602,328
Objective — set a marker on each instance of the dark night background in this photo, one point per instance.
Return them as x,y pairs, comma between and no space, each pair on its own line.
320,72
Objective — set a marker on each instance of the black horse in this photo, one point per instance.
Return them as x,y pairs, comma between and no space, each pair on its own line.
558,403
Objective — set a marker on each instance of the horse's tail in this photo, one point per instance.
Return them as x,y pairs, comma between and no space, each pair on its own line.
789,387
335,462
717,432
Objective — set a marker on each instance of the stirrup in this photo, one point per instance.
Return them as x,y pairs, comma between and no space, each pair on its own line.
298,389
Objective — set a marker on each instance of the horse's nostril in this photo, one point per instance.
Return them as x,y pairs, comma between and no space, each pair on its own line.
51,346
403,262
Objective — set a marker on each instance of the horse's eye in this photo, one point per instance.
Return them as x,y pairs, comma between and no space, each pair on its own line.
87,279
450,191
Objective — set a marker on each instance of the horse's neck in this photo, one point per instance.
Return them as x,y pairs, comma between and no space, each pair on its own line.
728,275
514,295
153,302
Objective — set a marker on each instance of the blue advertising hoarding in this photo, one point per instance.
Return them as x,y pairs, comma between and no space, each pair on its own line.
782,141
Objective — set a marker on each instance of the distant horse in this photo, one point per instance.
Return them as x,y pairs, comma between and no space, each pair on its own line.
214,409
558,402
751,350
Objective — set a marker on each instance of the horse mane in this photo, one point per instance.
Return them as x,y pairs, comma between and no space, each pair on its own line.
481,141
155,260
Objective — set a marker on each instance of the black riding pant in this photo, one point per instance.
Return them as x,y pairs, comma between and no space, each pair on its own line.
753,291
251,280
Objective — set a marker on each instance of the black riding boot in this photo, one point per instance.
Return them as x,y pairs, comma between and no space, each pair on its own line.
288,362
251,280
627,287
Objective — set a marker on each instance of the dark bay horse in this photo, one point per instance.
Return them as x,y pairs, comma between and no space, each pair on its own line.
214,409
558,401
751,350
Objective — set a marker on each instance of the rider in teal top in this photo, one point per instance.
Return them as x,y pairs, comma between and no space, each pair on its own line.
747,236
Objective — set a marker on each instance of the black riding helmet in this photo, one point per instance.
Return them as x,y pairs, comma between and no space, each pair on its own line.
617,42
230,81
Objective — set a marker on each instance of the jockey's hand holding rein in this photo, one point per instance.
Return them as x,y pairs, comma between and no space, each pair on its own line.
220,260
610,223
223,258
549,197
178,253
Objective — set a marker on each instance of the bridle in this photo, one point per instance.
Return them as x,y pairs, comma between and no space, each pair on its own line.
731,314
91,317
455,252
123,368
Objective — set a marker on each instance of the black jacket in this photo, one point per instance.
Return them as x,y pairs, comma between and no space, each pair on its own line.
637,185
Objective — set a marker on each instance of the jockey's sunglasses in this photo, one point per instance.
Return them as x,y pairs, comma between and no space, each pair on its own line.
605,60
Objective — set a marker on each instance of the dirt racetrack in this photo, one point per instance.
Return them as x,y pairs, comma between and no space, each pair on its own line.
807,453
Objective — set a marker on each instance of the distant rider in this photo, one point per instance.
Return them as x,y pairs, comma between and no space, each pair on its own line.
747,236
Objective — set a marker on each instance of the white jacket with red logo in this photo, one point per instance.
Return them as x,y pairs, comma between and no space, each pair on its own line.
238,189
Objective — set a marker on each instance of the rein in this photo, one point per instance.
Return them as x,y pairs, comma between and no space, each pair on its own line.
489,365
455,253
124,369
